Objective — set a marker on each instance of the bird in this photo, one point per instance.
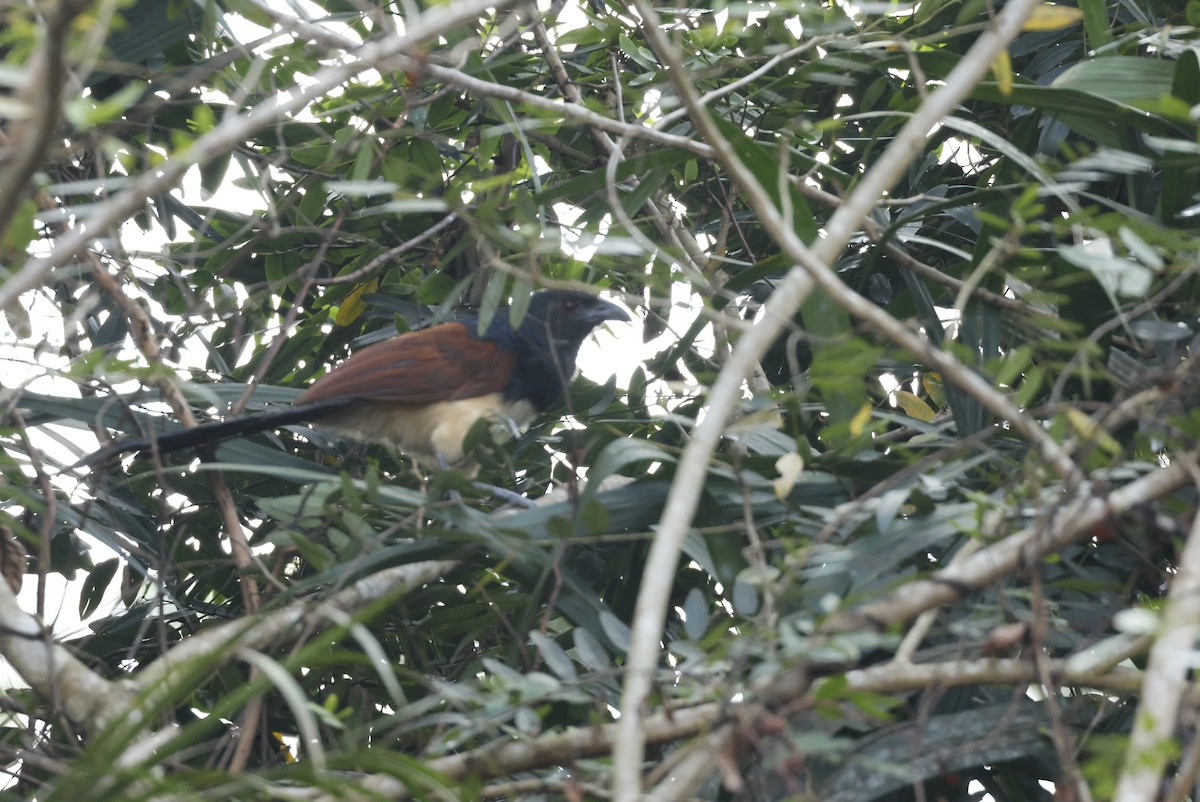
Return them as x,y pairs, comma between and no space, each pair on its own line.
422,392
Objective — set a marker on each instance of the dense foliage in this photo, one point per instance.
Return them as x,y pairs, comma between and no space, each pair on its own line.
941,546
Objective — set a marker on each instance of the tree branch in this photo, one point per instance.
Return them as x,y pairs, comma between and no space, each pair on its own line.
232,130
215,646
506,757
1166,678
1072,520
86,698
46,74
813,267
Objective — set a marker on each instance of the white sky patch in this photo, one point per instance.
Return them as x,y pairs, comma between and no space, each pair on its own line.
651,106
961,152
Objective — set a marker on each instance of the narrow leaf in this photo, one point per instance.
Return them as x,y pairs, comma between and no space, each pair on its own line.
1002,69
554,655
914,406
1051,18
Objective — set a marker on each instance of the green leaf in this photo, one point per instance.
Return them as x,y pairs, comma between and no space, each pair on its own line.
95,586
1118,275
555,657
1095,22
617,455
764,161
590,651
253,12
695,614
362,188
616,630
1130,80
86,113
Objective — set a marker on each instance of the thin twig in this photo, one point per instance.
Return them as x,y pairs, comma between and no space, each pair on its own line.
1150,304
877,234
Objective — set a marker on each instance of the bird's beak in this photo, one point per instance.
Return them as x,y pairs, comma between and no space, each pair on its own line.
605,310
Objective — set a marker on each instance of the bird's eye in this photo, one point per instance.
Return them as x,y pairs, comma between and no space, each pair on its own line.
571,305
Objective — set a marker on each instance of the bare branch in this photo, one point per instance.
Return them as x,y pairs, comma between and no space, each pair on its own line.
559,108
685,490
1167,669
87,699
1072,520
214,646
506,757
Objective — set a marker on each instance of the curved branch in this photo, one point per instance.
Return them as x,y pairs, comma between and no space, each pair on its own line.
1073,520
87,699
506,757
215,646
159,683
812,267
568,110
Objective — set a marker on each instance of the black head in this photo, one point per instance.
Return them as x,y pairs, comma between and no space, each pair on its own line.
548,339
567,316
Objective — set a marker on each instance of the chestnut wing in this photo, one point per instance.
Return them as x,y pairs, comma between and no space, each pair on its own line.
441,363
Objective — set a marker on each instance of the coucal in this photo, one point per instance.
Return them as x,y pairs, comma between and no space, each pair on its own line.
422,391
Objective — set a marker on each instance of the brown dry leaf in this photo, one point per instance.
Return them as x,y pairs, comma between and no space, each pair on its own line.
914,406
1052,18
1005,638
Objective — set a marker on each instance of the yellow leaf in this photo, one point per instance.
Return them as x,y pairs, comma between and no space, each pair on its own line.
1089,430
789,466
1002,69
860,419
767,416
1051,18
353,306
932,382
914,406
285,751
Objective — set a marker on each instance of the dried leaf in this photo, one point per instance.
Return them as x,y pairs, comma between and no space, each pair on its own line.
1002,69
860,420
1091,431
932,382
1051,18
914,406
1005,638
789,467
354,305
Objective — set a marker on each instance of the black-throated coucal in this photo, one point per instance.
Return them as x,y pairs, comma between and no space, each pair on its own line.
422,391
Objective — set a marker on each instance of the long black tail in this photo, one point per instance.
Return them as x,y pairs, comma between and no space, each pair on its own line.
216,431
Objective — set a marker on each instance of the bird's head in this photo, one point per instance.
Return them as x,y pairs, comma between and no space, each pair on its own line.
547,341
567,316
